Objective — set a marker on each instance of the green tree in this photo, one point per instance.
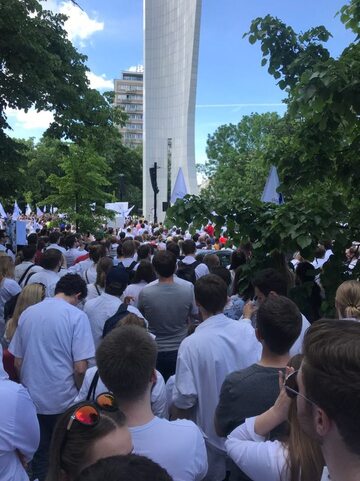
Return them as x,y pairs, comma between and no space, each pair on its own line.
80,190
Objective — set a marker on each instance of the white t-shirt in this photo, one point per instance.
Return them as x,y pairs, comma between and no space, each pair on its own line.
93,291
71,255
22,268
218,347
56,246
19,430
158,392
100,309
48,278
296,348
51,336
259,459
134,290
178,446
200,270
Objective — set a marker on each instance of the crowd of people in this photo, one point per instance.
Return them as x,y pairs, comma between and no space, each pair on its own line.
137,354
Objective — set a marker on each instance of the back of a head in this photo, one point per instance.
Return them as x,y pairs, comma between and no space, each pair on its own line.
96,251
128,248
211,260
305,272
125,468
211,293
222,272
145,272
164,263
70,241
188,247
70,285
69,449
32,239
269,280
347,300
51,259
104,265
126,359
174,248
54,237
28,252
279,323
143,252
331,378
238,258
116,281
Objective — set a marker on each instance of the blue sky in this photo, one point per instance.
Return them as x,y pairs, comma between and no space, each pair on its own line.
231,82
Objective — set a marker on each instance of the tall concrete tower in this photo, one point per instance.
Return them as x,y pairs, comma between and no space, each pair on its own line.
171,48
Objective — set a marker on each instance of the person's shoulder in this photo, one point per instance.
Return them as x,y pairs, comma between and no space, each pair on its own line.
184,426
91,303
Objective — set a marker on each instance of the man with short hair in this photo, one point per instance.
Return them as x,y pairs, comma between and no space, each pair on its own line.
167,305
102,307
329,394
126,360
269,282
51,262
52,346
218,347
27,266
189,268
252,391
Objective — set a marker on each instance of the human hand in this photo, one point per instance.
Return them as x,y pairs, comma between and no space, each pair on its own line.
283,401
248,310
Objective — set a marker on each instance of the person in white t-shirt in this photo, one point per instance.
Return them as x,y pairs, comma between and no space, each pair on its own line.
126,359
49,276
19,432
52,346
145,273
95,289
27,266
189,250
101,308
218,347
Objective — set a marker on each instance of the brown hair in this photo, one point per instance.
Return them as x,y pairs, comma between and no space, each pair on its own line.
126,359
6,267
347,300
330,370
304,460
30,295
103,266
211,293
131,319
70,449
128,248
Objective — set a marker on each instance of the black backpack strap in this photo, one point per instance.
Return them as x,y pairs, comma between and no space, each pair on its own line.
28,278
92,388
97,289
86,276
112,321
24,275
131,266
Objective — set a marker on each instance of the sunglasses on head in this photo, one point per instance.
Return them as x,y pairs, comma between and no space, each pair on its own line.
89,414
292,387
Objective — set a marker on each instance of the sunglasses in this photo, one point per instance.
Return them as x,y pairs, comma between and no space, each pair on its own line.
292,387
89,414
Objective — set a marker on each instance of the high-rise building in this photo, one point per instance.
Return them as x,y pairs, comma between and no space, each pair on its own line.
171,47
129,96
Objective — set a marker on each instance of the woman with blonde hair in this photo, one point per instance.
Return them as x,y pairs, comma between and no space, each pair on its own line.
296,458
8,287
95,289
30,295
347,300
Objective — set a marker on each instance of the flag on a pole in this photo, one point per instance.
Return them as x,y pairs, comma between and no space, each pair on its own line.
28,210
2,212
39,212
180,189
44,209
270,193
16,212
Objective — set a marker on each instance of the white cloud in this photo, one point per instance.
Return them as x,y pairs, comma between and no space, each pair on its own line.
29,120
79,25
99,82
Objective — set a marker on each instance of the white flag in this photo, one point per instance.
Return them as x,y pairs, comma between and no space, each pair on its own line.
16,212
272,183
44,210
180,189
39,212
28,210
2,212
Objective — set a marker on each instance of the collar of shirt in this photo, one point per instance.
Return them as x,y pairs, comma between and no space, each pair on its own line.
213,321
188,260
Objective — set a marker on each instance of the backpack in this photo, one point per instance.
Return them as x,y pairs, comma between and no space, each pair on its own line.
129,270
112,321
187,271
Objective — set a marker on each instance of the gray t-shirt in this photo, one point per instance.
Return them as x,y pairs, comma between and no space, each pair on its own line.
245,394
167,308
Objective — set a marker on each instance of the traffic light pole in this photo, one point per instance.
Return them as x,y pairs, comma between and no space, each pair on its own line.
155,194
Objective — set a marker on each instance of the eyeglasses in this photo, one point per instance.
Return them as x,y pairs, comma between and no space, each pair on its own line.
89,414
292,387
